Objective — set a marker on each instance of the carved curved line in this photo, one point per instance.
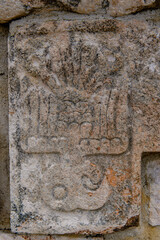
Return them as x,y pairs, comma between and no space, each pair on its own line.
94,186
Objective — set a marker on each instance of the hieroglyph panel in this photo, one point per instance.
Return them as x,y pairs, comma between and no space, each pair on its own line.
70,127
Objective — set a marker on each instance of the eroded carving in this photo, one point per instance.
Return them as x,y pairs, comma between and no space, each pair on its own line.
71,126
77,102
70,106
83,186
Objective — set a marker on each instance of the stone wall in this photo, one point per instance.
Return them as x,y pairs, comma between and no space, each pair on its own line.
4,155
84,125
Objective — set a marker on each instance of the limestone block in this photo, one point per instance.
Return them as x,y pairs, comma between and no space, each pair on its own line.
79,6
153,177
124,7
84,6
4,154
10,9
77,104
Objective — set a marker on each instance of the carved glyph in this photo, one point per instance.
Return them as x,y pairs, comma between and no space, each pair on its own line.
70,120
69,107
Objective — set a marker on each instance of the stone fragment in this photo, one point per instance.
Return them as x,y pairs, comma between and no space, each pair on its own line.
4,153
84,6
79,6
84,105
124,7
10,9
153,177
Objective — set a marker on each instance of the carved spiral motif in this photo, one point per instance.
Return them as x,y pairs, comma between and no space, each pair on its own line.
59,192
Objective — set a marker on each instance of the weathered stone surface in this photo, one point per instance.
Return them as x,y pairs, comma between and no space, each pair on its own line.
153,178
10,9
124,7
85,6
4,155
145,231
79,6
10,236
84,105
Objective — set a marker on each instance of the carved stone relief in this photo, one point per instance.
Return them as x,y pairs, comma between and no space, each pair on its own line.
71,126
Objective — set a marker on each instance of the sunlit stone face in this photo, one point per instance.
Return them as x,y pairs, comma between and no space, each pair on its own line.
71,136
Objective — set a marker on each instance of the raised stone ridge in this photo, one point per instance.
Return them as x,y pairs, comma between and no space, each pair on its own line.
11,9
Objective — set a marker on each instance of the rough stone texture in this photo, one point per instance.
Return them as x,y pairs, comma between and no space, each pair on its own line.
79,6
10,236
145,231
84,105
4,155
154,206
10,9
80,158
152,188
123,7
85,6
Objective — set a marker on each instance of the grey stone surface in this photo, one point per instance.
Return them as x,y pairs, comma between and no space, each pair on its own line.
124,7
144,231
84,105
153,176
4,154
85,6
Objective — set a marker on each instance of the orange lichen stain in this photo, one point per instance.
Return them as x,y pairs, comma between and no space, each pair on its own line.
26,237
123,176
90,194
92,164
111,177
117,212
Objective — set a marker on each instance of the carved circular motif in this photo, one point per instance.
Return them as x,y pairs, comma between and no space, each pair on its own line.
59,192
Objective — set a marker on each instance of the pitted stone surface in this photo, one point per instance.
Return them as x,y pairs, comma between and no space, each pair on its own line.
10,9
79,92
153,177
124,7
4,152
84,6
10,236
79,6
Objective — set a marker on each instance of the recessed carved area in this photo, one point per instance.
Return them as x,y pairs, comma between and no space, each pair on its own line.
4,152
151,188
